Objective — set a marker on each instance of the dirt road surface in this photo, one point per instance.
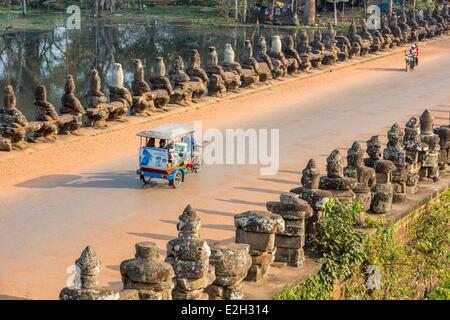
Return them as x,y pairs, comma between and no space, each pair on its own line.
90,195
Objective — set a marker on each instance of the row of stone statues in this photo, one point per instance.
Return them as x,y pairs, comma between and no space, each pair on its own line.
185,85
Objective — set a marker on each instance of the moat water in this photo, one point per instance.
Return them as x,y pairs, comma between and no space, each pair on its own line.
31,58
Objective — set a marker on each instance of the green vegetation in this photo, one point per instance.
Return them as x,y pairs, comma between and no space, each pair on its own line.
408,271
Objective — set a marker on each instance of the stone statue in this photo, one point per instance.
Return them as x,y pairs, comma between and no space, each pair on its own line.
315,197
361,46
433,23
430,30
420,31
413,145
119,96
429,171
389,38
407,32
383,193
317,45
231,80
181,83
374,37
13,124
396,30
252,70
289,66
189,257
160,84
305,51
275,66
396,153
86,285
97,111
440,20
143,104
196,73
47,115
365,176
147,274
332,52
374,151
291,53
71,105
444,156
247,76
340,186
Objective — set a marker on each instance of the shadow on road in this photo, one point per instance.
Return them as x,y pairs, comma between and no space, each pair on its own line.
8,297
114,180
238,201
384,69
216,212
290,182
259,190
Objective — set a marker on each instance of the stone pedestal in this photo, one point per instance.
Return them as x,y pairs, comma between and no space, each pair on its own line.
383,191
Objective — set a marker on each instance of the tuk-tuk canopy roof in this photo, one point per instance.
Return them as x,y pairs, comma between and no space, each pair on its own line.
168,132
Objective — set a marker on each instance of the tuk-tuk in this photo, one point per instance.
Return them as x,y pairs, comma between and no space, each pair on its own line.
167,152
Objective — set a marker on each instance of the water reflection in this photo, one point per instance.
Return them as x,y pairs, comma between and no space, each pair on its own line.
28,59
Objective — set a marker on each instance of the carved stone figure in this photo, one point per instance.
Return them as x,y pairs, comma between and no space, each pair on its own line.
389,38
341,187
248,76
314,196
86,286
317,45
143,104
251,66
365,176
429,159
396,153
375,38
419,31
231,80
97,111
275,66
290,242
160,84
331,50
309,59
183,87
13,124
197,74
231,262
119,96
407,32
374,151
291,53
147,274
289,66
433,24
413,145
189,257
258,230
71,105
440,19
396,30
444,155
383,192
362,46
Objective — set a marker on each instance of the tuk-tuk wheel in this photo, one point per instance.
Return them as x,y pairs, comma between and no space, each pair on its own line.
146,180
177,180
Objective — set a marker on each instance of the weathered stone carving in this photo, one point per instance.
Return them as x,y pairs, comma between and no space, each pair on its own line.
396,153
335,182
314,196
374,151
147,274
291,54
143,104
289,66
317,45
365,176
413,145
432,23
290,242
47,115
86,285
430,30
71,105
183,87
258,229
13,124
248,76
219,79
419,31
396,30
389,39
440,19
444,156
429,159
374,37
406,29
189,257
231,262
383,192
251,66
275,66
309,59
119,96
360,46
160,84
331,50
97,111
197,74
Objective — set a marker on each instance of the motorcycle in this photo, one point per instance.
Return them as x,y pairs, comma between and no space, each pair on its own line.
410,62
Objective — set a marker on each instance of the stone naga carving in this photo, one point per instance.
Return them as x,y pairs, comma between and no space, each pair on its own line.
72,106
143,104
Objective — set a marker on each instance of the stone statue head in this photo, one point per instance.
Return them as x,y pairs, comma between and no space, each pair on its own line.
355,155
276,44
117,76
374,148
213,59
394,20
88,268
303,37
262,46
159,68
412,129
318,36
189,221
395,136
94,80
178,64
352,28
69,87
40,94
335,165
196,62
228,56
426,122
247,53
9,101
330,31
289,42
147,250
138,69
311,176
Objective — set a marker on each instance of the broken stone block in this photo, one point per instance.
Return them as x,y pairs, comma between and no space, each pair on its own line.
293,242
429,160
259,222
382,198
292,257
147,273
257,241
5,144
86,286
